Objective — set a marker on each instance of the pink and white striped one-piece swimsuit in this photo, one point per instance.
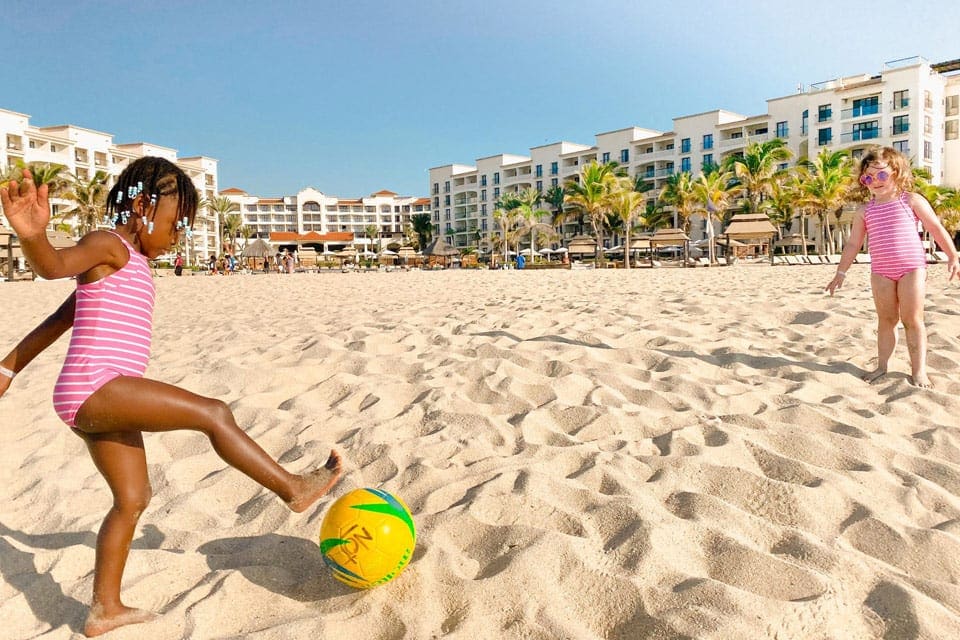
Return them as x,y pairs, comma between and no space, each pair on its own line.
895,246
112,329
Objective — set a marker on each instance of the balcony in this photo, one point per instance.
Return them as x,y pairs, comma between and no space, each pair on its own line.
860,112
857,136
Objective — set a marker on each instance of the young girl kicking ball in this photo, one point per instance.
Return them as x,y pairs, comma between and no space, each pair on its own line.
897,261
101,392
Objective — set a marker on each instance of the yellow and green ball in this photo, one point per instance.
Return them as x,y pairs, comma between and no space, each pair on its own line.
367,538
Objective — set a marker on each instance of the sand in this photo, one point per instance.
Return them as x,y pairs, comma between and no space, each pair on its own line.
668,453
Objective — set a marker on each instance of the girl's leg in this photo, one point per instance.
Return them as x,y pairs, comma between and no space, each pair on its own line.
888,315
127,404
911,290
120,459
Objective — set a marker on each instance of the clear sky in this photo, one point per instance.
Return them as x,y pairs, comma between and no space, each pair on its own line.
355,96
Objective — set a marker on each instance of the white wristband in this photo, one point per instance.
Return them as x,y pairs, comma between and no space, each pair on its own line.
842,274
7,372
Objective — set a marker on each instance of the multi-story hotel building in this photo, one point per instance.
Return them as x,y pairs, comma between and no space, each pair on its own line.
329,216
911,105
84,152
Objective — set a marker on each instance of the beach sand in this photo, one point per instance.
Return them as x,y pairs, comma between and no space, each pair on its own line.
667,453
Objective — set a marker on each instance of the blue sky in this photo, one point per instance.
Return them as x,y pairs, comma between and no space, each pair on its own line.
355,96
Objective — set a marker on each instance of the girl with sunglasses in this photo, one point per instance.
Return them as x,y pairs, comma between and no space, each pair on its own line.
898,262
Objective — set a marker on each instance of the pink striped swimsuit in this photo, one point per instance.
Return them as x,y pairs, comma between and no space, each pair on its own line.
112,328
895,246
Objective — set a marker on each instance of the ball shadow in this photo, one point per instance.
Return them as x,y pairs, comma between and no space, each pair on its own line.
290,567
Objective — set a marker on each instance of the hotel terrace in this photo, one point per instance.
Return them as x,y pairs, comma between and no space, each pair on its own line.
328,220
911,105
84,152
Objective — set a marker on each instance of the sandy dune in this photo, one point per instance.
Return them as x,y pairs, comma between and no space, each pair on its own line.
588,454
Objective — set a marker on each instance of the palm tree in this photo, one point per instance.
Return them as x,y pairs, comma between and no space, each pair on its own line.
504,214
590,196
527,212
372,232
626,203
781,206
221,207
90,197
757,168
715,193
678,193
422,228
826,189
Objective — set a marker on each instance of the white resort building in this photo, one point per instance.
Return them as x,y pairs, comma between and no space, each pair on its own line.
329,221
911,105
84,152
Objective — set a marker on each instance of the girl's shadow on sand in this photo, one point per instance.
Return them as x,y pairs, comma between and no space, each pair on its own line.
45,597
288,566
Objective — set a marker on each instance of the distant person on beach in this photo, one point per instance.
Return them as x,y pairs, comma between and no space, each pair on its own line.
101,393
266,265
178,264
213,263
897,260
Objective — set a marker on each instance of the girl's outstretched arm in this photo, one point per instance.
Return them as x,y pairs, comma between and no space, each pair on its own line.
858,231
927,216
28,210
37,340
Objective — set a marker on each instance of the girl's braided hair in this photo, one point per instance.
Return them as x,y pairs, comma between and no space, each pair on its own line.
154,177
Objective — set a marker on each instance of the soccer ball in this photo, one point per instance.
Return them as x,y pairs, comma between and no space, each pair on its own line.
367,538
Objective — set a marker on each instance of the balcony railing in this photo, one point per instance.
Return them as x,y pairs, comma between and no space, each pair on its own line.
857,136
860,112
900,129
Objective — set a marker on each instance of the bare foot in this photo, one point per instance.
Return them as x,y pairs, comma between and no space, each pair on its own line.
874,375
317,484
99,621
921,380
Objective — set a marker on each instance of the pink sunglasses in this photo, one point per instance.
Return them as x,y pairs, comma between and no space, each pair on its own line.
880,178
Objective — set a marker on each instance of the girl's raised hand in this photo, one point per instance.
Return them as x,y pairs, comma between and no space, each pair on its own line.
26,206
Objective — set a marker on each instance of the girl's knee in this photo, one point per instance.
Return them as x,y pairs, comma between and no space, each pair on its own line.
217,414
133,500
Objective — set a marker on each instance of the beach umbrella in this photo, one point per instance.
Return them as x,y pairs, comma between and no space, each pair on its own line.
545,252
257,249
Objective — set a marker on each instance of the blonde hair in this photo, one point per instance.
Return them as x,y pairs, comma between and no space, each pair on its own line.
899,165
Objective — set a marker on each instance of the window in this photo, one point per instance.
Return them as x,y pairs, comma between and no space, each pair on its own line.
952,105
624,156
866,106
903,146
446,201
446,214
901,125
901,99
539,171
685,164
804,122
436,201
708,141
483,209
554,182
824,113
866,130
446,187
436,188
783,166
539,185
927,100
782,130
685,145
951,129
824,136
707,162
483,180
554,168
605,157
927,150
496,178
496,193
927,125
483,195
